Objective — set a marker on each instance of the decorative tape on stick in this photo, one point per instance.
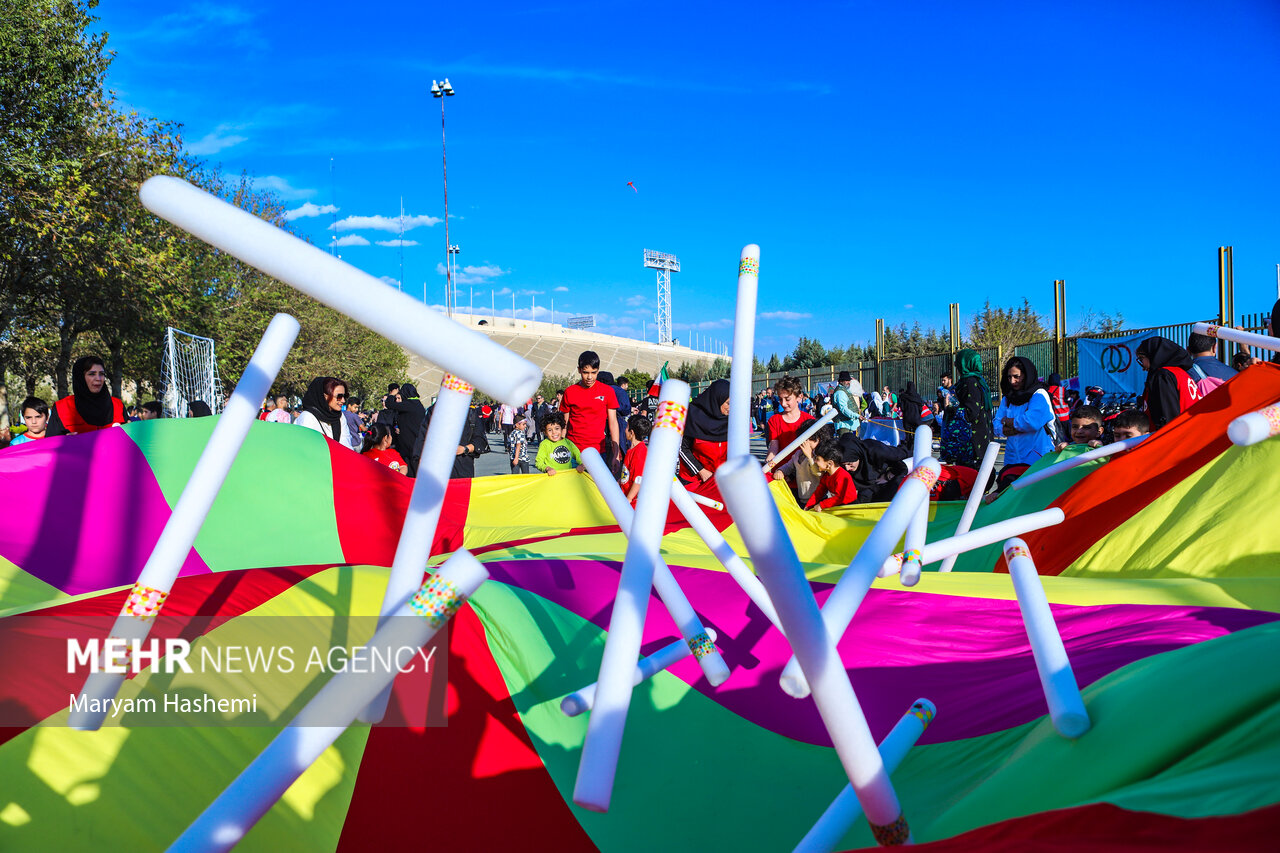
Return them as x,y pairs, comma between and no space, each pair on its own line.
453,383
749,266
670,415
892,835
1254,427
923,711
144,602
926,475
701,645
436,601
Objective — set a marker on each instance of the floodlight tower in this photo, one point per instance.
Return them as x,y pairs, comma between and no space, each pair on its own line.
665,265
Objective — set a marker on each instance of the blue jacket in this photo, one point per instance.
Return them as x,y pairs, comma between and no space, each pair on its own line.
1031,419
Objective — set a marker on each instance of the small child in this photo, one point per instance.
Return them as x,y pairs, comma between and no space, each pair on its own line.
1130,423
517,444
35,414
800,471
1086,427
835,486
638,429
556,453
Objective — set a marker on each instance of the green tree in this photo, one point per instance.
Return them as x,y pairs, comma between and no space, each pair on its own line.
1099,322
719,369
774,365
1006,327
807,354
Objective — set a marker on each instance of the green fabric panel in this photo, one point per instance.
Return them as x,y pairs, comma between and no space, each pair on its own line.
21,591
276,505
1018,502
1188,733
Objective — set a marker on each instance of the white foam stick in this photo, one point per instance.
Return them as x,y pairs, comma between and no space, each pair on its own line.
804,436
677,604
724,552
382,308
581,701
846,597
706,501
983,536
1236,336
600,750
322,720
413,550
744,344
844,809
1076,461
918,527
1256,426
751,504
971,506
179,534
1066,707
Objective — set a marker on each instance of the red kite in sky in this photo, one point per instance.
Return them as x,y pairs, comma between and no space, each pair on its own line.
633,186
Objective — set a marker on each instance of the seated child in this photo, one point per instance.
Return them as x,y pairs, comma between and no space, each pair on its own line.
556,453
799,472
35,414
638,429
835,484
1086,427
1130,423
517,444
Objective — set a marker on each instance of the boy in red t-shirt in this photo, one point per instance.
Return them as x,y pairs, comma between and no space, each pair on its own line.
592,410
638,429
784,427
835,485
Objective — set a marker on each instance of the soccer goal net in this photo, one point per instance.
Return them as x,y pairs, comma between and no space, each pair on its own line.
188,373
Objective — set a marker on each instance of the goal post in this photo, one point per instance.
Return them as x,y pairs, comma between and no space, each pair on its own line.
188,372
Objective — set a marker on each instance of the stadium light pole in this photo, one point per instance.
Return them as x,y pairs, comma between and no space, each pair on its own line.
452,272
441,91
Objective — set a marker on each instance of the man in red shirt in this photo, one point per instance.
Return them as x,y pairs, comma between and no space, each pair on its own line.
592,410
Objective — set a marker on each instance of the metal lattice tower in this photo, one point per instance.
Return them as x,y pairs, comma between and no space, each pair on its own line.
665,265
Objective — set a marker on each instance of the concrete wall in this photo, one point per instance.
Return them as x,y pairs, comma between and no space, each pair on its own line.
555,349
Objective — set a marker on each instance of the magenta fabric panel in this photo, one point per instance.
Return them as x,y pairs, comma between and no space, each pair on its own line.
84,511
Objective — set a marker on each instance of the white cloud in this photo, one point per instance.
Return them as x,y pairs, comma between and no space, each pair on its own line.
308,209
350,240
219,139
560,289
784,315
281,187
636,301
908,305
479,275
530,292
386,279
382,223
506,291
397,242
705,325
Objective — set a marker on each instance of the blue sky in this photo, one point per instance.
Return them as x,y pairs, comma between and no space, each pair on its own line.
888,158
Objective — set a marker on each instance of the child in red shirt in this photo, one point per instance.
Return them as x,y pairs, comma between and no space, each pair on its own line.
835,485
638,429
592,410
784,427
377,446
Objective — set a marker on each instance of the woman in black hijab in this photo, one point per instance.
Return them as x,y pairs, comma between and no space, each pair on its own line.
90,406
913,413
706,432
1170,388
322,409
877,469
410,421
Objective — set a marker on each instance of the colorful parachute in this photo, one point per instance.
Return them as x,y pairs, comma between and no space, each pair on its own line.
1163,580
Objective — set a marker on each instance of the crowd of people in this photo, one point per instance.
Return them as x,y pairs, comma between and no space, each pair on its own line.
843,462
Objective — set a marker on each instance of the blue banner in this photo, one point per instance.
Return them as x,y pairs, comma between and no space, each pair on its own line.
1112,363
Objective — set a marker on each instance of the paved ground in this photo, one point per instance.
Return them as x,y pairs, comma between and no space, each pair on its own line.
496,461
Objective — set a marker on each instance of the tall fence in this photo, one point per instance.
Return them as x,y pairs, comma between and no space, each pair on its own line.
925,370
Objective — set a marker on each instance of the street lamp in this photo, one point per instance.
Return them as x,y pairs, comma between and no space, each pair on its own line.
452,270
440,90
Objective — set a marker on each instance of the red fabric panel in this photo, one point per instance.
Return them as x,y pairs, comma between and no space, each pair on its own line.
479,778
370,501
33,671
1104,828
1097,505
